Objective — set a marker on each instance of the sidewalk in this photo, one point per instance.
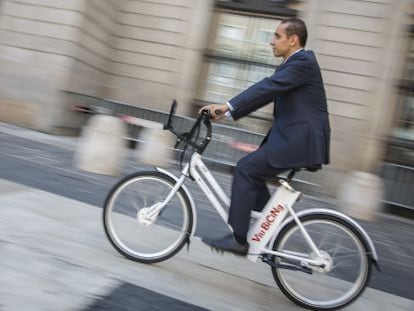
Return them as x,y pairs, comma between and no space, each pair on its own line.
54,256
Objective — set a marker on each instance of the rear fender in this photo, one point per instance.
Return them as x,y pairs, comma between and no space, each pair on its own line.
328,212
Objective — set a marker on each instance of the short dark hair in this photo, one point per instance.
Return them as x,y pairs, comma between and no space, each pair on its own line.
296,26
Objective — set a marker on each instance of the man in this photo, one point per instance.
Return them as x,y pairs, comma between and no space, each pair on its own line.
299,136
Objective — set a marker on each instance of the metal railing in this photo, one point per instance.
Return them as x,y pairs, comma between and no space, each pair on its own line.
222,149
399,185
398,179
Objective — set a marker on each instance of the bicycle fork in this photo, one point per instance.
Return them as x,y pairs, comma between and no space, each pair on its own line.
148,215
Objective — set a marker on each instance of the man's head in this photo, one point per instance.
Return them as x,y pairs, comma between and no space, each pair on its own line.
290,35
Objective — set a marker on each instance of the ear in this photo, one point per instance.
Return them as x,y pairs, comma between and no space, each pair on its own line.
294,40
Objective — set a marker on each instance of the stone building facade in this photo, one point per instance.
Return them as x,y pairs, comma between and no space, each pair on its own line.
147,52
143,53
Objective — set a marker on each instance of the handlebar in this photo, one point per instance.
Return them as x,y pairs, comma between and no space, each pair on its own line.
204,118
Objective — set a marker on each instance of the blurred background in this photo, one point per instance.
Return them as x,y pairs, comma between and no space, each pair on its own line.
126,57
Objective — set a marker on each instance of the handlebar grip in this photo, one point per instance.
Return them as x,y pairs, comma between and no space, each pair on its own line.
217,112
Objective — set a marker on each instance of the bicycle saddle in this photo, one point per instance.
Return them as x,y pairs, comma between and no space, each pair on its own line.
313,168
310,168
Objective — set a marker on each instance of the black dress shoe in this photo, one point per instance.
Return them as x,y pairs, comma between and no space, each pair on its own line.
228,244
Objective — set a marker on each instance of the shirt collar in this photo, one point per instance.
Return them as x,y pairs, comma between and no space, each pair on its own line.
297,51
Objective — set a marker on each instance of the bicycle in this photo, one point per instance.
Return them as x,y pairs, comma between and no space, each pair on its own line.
150,215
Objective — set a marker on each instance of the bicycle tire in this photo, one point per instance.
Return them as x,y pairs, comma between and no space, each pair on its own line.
348,277
157,241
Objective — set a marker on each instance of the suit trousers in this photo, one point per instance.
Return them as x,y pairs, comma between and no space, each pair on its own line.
249,190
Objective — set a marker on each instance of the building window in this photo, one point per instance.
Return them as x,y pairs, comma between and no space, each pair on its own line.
401,143
238,55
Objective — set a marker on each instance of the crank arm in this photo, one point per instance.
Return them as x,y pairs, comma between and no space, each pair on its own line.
269,261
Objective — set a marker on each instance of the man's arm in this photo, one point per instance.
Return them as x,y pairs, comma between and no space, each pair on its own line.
293,75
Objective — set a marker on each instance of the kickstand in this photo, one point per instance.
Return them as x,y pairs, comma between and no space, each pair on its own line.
188,242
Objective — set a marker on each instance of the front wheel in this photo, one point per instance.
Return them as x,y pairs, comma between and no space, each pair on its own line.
338,283
132,227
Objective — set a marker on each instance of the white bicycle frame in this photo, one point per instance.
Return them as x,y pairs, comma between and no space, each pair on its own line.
267,222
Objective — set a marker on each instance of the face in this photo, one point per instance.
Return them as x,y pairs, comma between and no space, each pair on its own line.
281,44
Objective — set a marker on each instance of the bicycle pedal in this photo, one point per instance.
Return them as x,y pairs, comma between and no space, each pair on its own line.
216,250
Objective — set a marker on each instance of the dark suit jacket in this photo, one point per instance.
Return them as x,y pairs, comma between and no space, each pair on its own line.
300,133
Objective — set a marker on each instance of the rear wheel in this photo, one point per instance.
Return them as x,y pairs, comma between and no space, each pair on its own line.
135,233
337,284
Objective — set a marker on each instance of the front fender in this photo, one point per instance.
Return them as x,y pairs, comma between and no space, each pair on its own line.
364,234
190,198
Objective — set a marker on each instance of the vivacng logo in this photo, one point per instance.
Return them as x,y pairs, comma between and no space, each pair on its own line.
265,225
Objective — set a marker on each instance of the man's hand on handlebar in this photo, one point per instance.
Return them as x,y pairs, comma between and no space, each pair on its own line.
216,111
